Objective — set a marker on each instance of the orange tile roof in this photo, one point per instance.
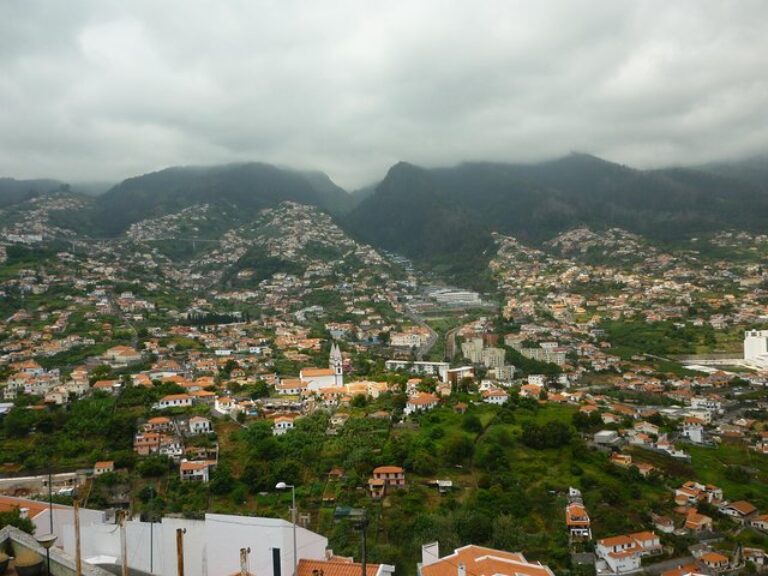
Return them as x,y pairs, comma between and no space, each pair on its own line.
616,541
334,568
315,372
481,561
194,465
743,507
714,558
9,503
682,570
388,470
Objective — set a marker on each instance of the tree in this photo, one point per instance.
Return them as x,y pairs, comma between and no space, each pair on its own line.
13,518
507,534
19,422
550,435
457,449
472,424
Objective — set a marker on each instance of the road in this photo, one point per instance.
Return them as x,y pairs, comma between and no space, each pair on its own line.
427,346
450,344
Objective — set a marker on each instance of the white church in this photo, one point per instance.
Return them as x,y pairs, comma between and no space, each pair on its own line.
756,348
332,377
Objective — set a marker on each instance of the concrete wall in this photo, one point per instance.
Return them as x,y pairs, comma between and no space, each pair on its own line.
211,546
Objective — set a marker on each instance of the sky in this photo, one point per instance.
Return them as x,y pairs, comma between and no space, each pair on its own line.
106,89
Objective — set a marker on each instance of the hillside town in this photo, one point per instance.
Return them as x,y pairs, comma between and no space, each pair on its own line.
600,372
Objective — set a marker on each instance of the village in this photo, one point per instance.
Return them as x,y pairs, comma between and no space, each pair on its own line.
345,369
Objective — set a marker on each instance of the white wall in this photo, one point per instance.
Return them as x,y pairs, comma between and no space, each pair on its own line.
755,343
211,546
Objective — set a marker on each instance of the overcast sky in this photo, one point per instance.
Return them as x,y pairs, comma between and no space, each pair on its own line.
105,89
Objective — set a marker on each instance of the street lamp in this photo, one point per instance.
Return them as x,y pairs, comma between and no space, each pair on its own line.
46,541
284,486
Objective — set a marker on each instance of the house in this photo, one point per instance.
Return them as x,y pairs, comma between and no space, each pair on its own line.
196,470
199,425
622,460
607,438
173,401
622,554
121,356
691,569
644,468
496,396
282,424
715,561
111,386
420,402
531,391
385,478
739,511
692,492
698,523
577,521
663,523
476,561
290,387
647,428
693,429
710,404
158,424
760,522
338,566
756,556
103,467
147,443
224,404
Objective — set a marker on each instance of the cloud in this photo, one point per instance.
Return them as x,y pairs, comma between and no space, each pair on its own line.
103,89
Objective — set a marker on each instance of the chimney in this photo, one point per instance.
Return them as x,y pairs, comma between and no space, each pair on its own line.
430,553
243,561
24,513
462,570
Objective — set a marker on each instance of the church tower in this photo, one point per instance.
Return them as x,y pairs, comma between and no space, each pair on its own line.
335,363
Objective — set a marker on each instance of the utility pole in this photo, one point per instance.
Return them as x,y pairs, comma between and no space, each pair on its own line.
361,525
50,497
152,531
123,544
180,550
78,560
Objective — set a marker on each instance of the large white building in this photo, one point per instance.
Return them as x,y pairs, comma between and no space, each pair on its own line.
756,348
211,546
332,377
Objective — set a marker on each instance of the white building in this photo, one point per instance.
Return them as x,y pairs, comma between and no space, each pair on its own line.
211,546
439,369
756,348
332,377
173,401
495,396
282,424
693,429
622,554
704,403
200,425
196,470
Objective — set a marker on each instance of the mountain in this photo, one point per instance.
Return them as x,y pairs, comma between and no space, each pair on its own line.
754,170
247,187
446,215
13,191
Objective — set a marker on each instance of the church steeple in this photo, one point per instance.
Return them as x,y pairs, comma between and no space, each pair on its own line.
336,363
